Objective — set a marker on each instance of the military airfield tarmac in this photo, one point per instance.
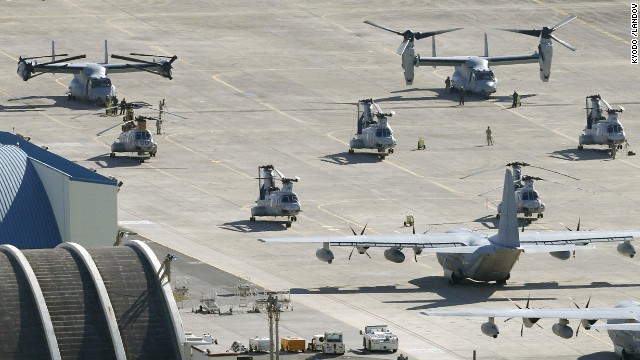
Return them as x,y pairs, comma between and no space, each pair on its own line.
277,82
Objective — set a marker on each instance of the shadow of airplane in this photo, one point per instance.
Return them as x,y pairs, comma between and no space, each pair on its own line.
246,226
344,158
601,355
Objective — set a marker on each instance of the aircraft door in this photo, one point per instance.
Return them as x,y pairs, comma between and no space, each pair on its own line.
473,81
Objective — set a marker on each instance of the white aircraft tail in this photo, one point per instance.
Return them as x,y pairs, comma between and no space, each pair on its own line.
486,45
106,53
507,235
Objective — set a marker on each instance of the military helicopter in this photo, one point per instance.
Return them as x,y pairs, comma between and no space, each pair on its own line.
528,200
373,130
90,81
600,130
134,138
473,72
272,200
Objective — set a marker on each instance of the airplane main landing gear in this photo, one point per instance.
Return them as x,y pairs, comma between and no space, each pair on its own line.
351,151
112,155
252,219
503,281
540,215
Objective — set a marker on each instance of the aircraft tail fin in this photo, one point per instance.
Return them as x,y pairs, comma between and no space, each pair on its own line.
486,45
433,48
106,53
507,235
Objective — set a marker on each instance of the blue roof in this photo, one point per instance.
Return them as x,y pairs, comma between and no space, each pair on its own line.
27,220
75,171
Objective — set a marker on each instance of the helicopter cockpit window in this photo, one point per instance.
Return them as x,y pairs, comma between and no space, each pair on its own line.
383,133
147,135
614,128
138,136
101,83
529,196
289,199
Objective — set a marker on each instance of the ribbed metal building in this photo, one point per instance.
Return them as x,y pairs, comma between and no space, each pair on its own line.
46,199
75,303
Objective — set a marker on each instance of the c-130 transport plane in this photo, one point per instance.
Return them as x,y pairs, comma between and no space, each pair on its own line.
466,254
623,322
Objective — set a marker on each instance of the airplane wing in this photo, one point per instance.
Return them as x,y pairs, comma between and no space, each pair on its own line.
443,60
552,241
622,313
512,59
443,242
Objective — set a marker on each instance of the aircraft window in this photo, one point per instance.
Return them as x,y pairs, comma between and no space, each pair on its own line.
383,133
101,83
147,135
285,199
138,136
484,75
610,129
294,198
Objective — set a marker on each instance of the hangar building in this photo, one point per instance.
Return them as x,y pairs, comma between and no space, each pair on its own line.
46,200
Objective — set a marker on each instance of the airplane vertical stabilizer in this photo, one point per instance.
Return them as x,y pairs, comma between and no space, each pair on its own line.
507,235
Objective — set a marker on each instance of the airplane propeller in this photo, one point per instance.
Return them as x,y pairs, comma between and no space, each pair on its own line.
584,322
546,32
520,307
29,67
44,56
408,35
355,234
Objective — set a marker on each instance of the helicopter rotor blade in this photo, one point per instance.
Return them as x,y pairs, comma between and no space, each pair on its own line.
61,60
111,127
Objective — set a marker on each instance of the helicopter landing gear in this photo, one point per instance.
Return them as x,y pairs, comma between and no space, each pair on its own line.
540,215
294,218
112,155
485,95
288,224
527,221
153,154
252,219
351,151
390,151
381,157
141,160
580,147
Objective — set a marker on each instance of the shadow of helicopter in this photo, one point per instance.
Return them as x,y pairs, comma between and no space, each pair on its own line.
57,101
488,221
246,226
585,154
105,161
344,158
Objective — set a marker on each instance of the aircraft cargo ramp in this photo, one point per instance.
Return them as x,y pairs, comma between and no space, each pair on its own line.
72,303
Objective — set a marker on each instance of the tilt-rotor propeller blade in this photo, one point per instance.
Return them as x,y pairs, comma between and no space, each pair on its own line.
383,27
61,60
546,32
44,56
120,57
50,70
408,35
173,58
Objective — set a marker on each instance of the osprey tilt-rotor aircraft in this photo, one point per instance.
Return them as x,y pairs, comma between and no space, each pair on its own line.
473,72
90,81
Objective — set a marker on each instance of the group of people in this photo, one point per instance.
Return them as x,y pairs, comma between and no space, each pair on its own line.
461,92
111,105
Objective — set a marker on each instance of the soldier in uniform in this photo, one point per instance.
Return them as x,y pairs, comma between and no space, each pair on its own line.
461,93
489,137
447,85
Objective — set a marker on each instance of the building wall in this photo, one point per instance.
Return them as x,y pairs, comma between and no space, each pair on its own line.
86,212
93,213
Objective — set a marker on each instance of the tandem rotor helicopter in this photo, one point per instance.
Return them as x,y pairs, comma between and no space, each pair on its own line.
600,130
473,72
90,81
373,130
134,138
273,201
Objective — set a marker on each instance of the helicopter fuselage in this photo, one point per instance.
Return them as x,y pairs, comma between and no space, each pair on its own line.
608,132
135,141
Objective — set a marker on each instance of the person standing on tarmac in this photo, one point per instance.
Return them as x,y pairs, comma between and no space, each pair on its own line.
158,126
107,105
516,99
447,85
123,106
489,137
461,93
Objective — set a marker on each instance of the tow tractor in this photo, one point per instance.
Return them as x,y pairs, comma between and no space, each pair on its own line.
378,337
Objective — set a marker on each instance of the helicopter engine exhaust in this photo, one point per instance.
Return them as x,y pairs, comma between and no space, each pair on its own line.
394,255
626,249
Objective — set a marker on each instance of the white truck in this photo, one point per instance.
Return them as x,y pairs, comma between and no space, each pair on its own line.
378,337
259,344
333,343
